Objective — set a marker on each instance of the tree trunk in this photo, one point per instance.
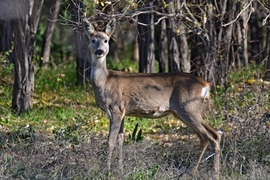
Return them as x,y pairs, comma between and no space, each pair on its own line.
244,31
185,62
210,60
224,42
174,56
47,37
174,65
6,38
146,42
239,48
255,34
82,43
136,50
267,73
183,45
5,35
24,28
161,40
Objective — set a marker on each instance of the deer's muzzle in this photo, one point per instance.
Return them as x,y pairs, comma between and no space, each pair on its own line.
99,52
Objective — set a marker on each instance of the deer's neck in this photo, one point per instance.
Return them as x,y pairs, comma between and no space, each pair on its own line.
99,72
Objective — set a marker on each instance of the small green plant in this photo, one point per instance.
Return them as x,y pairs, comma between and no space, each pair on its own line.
6,66
133,137
26,133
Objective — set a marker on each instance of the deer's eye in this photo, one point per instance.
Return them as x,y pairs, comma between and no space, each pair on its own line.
106,41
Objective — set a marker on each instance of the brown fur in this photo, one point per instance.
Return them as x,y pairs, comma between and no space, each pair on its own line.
147,95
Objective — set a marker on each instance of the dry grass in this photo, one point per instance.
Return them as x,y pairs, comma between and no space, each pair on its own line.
34,155
44,157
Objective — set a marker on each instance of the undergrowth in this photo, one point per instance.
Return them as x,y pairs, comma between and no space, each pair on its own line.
65,135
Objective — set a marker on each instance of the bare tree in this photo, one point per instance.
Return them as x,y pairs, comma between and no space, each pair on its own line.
185,62
47,37
195,38
224,41
6,39
161,39
267,73
173,52
24,25
146,41
82,43
6,36
243,33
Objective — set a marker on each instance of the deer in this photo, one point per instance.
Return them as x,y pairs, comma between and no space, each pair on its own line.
147,95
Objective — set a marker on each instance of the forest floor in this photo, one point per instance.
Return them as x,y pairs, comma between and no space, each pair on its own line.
65,135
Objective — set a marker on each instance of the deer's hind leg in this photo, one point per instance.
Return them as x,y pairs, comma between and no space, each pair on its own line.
206,134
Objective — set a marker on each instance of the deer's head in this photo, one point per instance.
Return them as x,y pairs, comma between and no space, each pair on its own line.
99,41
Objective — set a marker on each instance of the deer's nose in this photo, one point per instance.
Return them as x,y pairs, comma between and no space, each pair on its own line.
99,52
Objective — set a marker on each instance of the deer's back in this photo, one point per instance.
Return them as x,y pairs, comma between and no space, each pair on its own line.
148,95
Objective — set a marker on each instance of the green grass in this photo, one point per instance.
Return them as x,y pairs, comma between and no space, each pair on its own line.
58,103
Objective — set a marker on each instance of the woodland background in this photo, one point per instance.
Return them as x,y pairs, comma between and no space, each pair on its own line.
50,126
207,38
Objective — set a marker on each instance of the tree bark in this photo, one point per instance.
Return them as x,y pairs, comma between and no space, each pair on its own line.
174,56
183,45
244,32
267,67
82,43
5,35
146,42
24,28
224,42
185,62
136,50
255,45
6,38
174,65
162,40
210,60
47,37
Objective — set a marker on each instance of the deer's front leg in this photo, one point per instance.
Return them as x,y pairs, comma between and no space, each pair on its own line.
115,125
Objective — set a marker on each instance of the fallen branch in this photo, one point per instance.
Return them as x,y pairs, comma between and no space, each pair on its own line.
191,167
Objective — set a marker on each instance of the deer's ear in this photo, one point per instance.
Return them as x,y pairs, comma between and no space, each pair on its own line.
88,27
110,28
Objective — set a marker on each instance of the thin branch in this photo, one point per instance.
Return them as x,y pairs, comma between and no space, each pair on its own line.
249,15
132,15
191,167
194,21
265,19
238,16
147,10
